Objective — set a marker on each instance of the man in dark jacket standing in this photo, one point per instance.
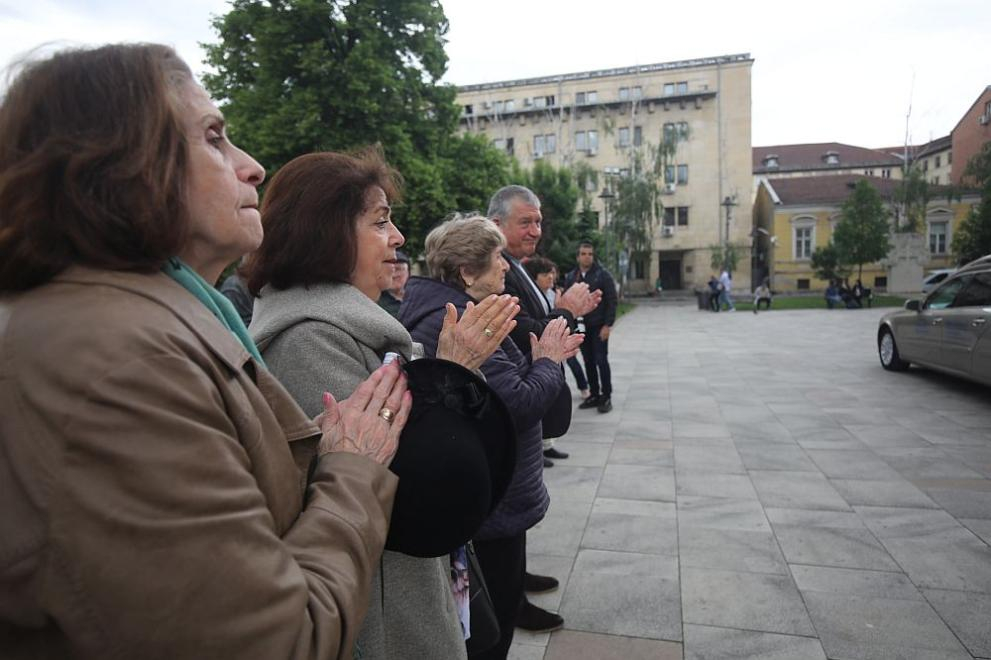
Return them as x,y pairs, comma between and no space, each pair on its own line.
598,325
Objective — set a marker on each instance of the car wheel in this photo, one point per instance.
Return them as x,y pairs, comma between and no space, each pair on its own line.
887,350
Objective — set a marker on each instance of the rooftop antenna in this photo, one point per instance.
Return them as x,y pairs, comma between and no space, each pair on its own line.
905,165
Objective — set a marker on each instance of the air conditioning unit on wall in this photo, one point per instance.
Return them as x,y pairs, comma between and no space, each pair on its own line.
667,231
669,188
984,119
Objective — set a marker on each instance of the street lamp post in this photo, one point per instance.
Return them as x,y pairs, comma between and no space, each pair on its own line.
606,196
728,203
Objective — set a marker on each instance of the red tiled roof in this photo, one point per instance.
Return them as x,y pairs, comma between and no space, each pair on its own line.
793,157
825,189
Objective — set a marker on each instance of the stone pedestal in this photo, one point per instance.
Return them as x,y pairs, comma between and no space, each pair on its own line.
909,253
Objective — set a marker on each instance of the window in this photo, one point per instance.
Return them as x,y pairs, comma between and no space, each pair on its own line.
682,216
624,93
669,212
498,106
538,146
682,87
639,269
949,157
624,172
682,130
668,89
669,132
592,97
683,174
881,282
637,93
802,285
943,297
925,165
549,100
587,141
499,144
624,136
803,241
637,136
977,293
593,141
831,158
581,143
540,101
550,143
510,104
469,109
886,174
938,159
937,237
509,146
669,174
580,98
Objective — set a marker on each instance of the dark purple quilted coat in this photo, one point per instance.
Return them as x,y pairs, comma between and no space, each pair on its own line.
527,390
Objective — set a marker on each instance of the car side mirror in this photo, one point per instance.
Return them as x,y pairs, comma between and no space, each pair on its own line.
913,305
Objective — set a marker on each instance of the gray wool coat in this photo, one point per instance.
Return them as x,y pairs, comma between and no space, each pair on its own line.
331,337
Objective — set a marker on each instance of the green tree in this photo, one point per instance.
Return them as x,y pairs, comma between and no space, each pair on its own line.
725,257
913,194
972,239
296,76
558,194
827,265
861,235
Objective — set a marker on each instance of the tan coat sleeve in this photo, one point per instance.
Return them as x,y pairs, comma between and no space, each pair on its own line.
161,541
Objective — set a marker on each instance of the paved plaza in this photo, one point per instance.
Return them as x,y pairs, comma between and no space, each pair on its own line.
763,489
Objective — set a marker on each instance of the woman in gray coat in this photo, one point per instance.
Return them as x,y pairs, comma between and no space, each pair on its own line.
327,255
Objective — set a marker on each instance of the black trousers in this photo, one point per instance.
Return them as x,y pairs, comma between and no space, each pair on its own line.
595,352
503,563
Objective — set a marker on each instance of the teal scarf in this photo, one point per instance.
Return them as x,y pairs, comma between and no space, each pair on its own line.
214,301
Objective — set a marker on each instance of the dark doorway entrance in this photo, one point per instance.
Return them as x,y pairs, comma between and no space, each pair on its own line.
670,270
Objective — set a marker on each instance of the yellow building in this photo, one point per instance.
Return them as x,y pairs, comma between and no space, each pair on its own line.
605,118
794,216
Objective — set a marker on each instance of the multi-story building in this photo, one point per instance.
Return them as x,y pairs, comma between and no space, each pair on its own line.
605,118
824,159
970,134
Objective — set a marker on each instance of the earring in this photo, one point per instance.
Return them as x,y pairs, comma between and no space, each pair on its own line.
468,284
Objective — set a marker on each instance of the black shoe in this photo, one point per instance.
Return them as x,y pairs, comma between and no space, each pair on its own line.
605,404
532,618
590,402
538,584
548,462
554,453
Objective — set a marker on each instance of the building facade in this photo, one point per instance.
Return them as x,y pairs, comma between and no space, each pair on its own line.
606,118
824,159
794,216
970,134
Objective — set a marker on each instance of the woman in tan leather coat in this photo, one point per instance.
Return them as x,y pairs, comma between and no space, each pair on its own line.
162,495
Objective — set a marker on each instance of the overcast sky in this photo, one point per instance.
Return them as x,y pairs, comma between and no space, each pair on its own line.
824,71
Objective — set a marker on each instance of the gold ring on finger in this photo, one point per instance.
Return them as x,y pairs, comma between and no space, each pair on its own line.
387,415
488,332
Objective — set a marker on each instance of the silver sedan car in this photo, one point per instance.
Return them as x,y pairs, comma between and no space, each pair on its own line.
947,330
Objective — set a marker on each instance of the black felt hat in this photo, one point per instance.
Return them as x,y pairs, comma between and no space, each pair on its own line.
455,459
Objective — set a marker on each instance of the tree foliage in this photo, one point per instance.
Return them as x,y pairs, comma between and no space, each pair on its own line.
913,194
972,239
558,194
297,76
861,235
827,265
725,257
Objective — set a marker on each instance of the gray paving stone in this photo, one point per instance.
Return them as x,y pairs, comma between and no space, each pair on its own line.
968,615
638,482
663,457
775,457
813,518
896,522
854,582
709,643
979,526
607,594
955,562
926,463
751,601
847,464
833,546
730,550
714,484
560,532
572,483
868,628
696,429
631,533
882,493
576,645
964,503
800,490
881,436
720,513
707,458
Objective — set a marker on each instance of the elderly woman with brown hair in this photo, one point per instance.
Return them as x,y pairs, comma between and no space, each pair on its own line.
329,250
464,257
163,495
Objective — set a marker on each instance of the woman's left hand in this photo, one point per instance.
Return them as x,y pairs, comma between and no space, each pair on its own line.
471,340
